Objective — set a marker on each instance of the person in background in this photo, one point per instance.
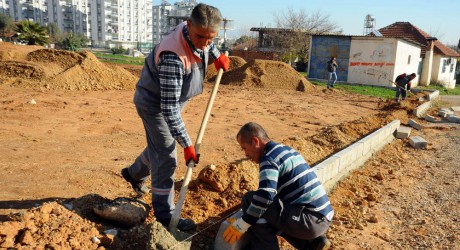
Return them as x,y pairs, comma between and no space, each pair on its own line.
403,84
332,68
172,74
290,200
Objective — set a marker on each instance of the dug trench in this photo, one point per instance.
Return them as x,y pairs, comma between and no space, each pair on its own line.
62,156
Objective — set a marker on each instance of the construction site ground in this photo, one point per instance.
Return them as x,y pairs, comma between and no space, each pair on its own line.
68,126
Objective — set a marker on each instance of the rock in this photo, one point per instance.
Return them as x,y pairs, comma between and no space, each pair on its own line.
96,240
371,197
379,176
373,219
33,102
128,212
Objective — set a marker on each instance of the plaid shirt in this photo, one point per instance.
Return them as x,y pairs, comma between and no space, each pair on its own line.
170,72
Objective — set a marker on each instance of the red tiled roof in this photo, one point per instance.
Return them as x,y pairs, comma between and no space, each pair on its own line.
411,32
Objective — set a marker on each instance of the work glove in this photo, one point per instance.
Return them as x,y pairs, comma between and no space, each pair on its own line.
222,62
235,230
190,154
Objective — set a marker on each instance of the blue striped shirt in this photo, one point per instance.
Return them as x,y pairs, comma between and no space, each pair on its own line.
171,72
284,173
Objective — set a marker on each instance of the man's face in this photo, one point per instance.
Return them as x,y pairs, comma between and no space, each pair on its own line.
201,37
252,150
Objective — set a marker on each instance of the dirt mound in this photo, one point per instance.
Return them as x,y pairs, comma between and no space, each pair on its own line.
59,69
267,74
235,63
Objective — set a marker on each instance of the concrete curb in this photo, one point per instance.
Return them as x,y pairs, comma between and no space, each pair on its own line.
339,165
421,110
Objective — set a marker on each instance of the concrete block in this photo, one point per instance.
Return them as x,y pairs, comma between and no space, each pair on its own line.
421,110
443,112
430,118
327,168
415,124
433,95
403,132
221,244
453,118
417,142
456,109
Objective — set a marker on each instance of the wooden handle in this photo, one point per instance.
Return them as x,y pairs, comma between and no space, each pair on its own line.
188,175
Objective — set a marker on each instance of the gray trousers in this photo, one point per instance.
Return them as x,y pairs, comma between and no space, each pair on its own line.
159,160
295,224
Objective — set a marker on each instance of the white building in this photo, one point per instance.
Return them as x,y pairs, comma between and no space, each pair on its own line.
166,16
111,23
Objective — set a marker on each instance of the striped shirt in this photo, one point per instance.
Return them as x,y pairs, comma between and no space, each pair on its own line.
284,173
171,72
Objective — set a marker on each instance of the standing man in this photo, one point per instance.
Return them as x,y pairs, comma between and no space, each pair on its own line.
173,73
332,68
403,84
290,200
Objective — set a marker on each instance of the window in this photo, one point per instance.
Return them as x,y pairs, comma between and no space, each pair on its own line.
444,66
408,59
451,67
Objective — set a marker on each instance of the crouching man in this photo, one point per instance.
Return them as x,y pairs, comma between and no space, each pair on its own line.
290,201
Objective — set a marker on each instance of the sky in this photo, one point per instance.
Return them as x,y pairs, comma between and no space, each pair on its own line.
439,18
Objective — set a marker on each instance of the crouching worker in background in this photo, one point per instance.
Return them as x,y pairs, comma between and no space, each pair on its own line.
403,84
290,201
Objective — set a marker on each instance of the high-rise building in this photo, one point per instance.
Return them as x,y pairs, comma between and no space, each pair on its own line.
111,23
166,16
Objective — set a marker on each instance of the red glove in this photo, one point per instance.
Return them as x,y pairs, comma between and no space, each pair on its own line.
190,154
222,62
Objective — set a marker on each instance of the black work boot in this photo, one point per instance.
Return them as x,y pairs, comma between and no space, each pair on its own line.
183,224
138,186
321,243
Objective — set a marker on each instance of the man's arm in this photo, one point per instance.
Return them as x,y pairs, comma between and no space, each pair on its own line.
171,71
213,51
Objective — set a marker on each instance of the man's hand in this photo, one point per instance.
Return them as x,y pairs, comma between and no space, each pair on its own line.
190,154
222,62
235,230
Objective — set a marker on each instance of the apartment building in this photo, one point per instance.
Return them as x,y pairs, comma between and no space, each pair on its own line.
107,23
166,16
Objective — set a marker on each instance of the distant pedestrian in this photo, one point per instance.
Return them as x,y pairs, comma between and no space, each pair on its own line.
403,84
332,68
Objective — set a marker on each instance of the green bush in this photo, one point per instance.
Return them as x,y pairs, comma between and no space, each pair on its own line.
118,50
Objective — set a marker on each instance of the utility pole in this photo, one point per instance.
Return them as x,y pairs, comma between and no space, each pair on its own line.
226,25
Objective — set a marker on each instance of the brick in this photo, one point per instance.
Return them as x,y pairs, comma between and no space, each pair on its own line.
417,142
433,95
456,109
430,118
415,124
421,110
453,118
403,132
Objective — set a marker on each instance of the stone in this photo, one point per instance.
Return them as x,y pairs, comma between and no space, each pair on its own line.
403,132
456,109
415,124
430,118
417,142
453,118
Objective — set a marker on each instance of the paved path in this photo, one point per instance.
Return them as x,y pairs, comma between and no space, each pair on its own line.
454,100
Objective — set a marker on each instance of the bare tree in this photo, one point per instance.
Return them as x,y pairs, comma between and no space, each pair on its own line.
291,37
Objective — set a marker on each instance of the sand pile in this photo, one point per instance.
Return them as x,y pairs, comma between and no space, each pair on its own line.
235,63
266,74
59,69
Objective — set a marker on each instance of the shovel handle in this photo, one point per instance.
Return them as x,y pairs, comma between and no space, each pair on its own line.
188,175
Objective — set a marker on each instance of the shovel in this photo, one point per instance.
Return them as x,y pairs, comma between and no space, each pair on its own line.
188,175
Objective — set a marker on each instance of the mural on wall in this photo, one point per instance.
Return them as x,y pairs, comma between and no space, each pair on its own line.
322,49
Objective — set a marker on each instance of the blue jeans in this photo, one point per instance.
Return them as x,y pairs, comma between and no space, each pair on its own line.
400,92
332,75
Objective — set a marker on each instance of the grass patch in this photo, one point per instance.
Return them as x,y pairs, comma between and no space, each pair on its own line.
363,90
120,59
442,90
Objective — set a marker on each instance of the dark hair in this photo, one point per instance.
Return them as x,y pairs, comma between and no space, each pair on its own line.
413,74
206,16
250,130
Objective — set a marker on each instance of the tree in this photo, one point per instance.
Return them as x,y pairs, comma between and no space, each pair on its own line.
54,32
6,24
291,37
73,42
242,39
32,32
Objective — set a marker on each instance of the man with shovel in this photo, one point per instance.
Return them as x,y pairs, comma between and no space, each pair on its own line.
403,84
173,73
290,201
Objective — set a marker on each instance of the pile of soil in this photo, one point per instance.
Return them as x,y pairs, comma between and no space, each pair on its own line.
59,69
262,74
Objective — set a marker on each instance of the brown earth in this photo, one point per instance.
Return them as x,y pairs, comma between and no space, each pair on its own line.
62,156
